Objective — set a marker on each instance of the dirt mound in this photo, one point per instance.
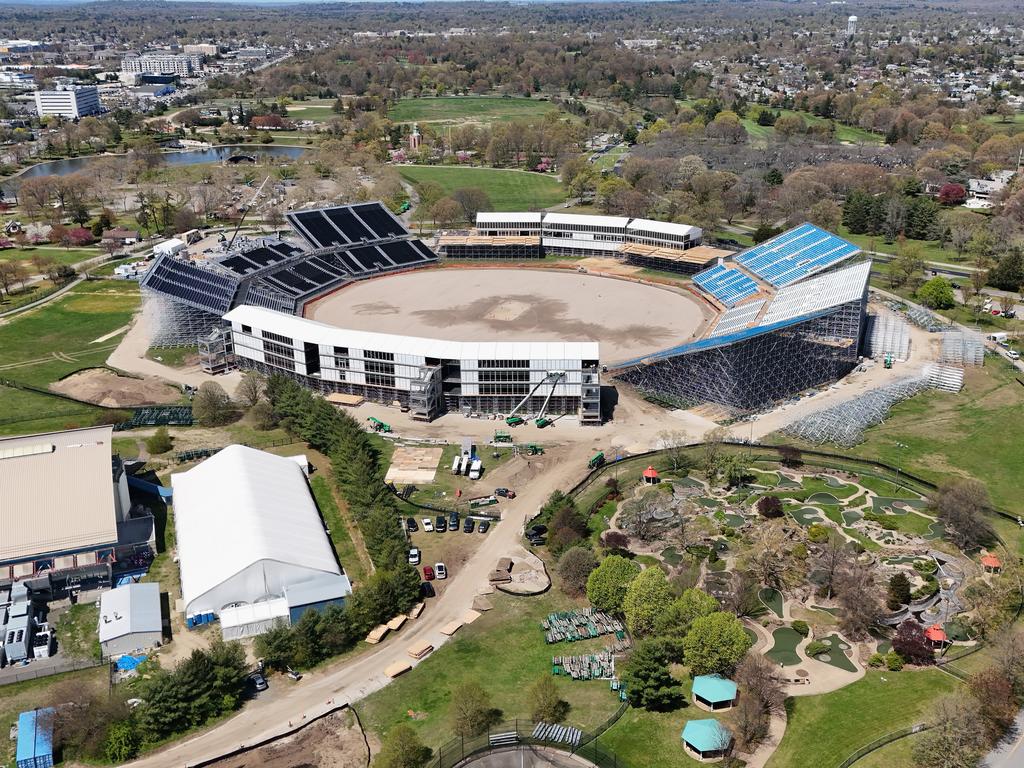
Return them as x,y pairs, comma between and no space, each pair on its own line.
335,741
104,387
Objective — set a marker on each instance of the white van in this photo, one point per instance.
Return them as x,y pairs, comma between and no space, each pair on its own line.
476,469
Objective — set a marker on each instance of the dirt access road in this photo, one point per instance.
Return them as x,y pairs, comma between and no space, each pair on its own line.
355,678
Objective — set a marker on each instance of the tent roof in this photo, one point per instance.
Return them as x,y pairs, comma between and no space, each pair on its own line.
650,472
714,688
240,507
991,561
706,735
935,633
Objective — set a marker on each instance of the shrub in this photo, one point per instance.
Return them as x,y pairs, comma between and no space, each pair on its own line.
801,628
769,506
877,660
159,442
817,533
815,647
893,661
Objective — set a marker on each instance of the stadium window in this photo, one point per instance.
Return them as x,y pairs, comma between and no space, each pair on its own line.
247,329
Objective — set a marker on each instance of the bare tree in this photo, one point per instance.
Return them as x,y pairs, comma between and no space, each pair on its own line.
833,557
770,558
250,388
957,736
962,504
675,444
859,598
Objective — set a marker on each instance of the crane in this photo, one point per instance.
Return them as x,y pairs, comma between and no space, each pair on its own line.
246,212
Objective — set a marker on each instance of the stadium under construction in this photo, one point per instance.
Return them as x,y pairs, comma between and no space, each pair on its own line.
777,319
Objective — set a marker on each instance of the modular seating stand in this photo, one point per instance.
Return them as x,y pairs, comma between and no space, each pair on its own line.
725,284
795,254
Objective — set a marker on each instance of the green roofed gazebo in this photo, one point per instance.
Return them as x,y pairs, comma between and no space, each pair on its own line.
714,692
707,740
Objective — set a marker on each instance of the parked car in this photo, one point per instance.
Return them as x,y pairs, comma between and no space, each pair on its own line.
427,525
467,527
414,556
485,526
1013,355
1010,315
453,521
440,570
428,573
410,525
296,676
427,589
258,681
440,524
538,530
506,493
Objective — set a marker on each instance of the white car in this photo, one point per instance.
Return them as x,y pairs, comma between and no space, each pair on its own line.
1013,355
414,556
428,526
440,571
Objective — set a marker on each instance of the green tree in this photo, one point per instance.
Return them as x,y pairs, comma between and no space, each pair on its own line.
574,567
159,441
899,591
276,646
680,614
715,643
648,682
548,706
647,597
122,742
402,748
307,639
937,293
607,584
211,406
473,711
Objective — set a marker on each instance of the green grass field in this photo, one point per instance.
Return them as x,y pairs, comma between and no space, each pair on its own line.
487,109
58,254
46,344
340,536
606,161
509,190
504,651
652,739
824,730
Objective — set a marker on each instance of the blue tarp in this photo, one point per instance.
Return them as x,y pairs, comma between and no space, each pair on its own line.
128,663
148,487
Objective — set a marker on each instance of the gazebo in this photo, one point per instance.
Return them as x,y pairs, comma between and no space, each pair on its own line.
706,740
651,476
713,692
936,635
991,563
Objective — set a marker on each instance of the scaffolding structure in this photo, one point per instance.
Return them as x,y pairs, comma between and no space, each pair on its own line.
174,323
887,334
962,348
944,377
844,423
921,317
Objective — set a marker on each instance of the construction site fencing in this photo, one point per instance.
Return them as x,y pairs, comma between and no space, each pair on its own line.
882,741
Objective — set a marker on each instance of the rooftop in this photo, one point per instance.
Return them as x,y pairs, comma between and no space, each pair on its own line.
706,735
714,688
129,609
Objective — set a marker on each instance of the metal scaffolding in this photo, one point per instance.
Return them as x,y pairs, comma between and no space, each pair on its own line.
887,335
173,323
962,348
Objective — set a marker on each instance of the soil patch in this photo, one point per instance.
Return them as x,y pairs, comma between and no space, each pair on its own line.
104,387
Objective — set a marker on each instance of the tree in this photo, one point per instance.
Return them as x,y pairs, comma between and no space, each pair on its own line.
763,696
675,444
473,711
568,526
770,556
276,646
833,557
996,701
858,597
547,705
122,742
911,644
211,406
649,684
402,748
899,591
770,507
262,415
607,584
957,736
574,567
472,200
674,622
159,442
715,643
961,504
250,388
952,194
446,212
647,597
937,293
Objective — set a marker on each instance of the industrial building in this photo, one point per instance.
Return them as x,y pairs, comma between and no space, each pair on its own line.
430,376
70,101
130,620
252,547
67,516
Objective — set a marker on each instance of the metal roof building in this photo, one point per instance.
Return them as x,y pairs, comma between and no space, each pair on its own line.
130,619
247,528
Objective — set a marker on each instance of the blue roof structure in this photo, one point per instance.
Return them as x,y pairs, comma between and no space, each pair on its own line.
35,738
714,688
706,735
725,284
796,254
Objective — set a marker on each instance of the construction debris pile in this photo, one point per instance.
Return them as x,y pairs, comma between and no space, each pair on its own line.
594,666
584,624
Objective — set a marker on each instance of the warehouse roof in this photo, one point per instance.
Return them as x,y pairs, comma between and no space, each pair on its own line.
242,507
57,493
129,609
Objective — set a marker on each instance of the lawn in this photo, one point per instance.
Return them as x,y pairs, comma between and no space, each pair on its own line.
442,491
930,251
508,190
459,108
607,160
643,739
77,631
175,357
338,526
33,344
58,254
824,730
504,651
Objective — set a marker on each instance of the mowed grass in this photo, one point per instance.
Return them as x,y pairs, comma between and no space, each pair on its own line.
508,190
461,108
653,739
32,344
824,730
340,536
504,651
60,255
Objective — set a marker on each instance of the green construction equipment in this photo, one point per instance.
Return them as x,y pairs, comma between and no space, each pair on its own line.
515,421
542,422
888,360
596,461
502,437
533,449
378,425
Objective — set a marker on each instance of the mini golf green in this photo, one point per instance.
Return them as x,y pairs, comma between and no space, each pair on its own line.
902,560
704,501
734,521
936,531
806,515
671,556
823,498
688,482
786,482
772,599
851,516
751,634
836,654
832,611
834,482
783,651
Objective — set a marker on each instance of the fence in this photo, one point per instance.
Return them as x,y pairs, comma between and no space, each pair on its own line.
41,668
882,741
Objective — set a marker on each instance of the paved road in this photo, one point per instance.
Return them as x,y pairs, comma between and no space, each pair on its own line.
1010,754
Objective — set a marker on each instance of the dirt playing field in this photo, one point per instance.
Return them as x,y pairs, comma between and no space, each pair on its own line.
336,741
627,319
104,387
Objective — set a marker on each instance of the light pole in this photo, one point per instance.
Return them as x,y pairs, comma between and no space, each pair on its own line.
899,453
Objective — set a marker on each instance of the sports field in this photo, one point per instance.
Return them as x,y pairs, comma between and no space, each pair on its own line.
509,190
454,109
628,319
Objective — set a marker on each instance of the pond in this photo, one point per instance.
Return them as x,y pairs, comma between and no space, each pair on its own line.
183,157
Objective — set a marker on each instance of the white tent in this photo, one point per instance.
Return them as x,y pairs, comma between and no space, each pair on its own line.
246,528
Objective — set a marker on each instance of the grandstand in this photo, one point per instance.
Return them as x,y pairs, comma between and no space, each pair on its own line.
728,285
796,254
186,298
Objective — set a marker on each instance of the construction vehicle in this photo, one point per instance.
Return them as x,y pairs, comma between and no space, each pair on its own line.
533,449
502,437
476,468
888,360
515,421
596,461
542,422
378,425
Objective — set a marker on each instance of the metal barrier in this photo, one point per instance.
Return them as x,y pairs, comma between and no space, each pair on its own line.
882,741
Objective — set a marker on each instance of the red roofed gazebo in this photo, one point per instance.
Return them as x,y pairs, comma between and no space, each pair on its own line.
991,563
936,635
651,475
